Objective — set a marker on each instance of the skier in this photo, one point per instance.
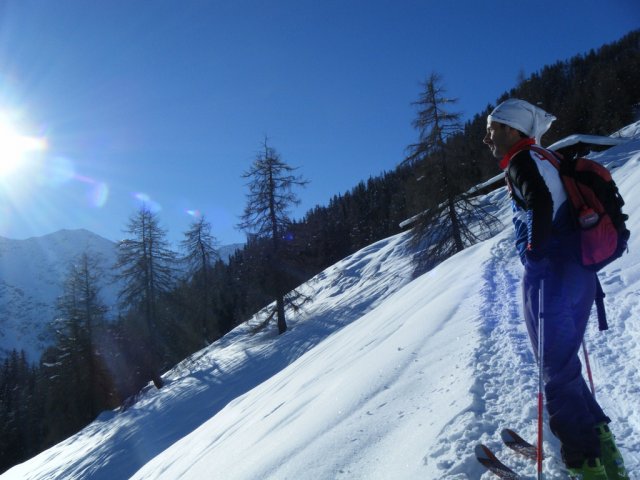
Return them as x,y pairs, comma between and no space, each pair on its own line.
546,243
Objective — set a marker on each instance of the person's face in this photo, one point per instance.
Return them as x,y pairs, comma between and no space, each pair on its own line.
500,138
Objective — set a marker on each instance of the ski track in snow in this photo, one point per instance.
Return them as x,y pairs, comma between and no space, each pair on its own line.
504,393
505,378
506,370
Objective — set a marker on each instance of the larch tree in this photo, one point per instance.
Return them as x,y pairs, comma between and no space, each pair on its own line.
146,269
200,257
266,217
452,219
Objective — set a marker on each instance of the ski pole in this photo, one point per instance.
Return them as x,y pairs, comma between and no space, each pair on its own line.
540,376
588,365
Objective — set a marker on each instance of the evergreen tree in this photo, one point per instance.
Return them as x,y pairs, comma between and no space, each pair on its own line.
20,412
200,258
78,387
146,267
266,216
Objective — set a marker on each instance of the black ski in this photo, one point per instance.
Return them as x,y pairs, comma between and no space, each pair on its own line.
486,457
518,444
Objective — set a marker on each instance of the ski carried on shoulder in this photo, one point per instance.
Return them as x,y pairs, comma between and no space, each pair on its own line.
488,459
519,445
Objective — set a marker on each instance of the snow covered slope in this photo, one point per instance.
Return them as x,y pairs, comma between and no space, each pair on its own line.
381,377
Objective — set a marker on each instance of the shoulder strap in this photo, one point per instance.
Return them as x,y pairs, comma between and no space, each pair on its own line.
602,314
553,157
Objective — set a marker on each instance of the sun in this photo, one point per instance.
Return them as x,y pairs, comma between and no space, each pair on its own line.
15,147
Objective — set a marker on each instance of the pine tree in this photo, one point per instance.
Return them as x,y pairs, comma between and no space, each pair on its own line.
266,216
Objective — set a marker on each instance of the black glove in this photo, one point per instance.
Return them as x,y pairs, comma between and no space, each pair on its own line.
536,268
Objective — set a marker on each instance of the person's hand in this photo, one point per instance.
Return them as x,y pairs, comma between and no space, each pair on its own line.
536,268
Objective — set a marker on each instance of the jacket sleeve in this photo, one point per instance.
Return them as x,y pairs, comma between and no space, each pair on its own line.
536,200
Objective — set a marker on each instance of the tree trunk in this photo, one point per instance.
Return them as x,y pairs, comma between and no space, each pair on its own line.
282,322
455,225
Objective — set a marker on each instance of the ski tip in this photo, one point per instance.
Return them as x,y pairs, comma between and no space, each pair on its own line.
509,435
485,454
515,442
482,451
486,457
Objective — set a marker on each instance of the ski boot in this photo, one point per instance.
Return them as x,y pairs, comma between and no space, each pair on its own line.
610,455
591,469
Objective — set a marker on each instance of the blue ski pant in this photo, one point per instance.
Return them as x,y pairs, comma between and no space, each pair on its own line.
569,293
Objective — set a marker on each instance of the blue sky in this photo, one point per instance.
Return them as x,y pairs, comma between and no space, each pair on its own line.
168,101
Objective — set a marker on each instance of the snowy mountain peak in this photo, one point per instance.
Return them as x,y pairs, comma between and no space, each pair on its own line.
31,276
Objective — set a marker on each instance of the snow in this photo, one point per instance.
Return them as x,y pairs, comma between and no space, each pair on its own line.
587,139
380,377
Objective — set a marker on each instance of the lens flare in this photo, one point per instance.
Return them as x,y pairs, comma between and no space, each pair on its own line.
100,194
147,201
143,197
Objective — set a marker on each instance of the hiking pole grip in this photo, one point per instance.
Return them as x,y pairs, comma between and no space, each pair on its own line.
540,376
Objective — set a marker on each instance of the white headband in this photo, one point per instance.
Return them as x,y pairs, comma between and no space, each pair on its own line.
521,115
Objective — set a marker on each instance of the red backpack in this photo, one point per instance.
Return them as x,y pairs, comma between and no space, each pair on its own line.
597,208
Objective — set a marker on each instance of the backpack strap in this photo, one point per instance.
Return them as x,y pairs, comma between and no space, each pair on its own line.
602,314
552,157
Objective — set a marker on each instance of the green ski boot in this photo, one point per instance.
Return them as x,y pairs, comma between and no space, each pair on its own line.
591,469
610,455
